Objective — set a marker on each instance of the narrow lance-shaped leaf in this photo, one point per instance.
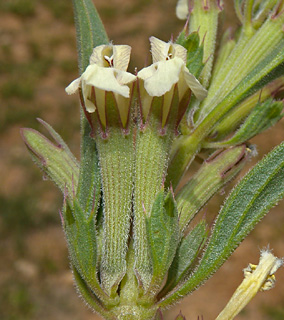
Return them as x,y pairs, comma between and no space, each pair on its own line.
259,191
236,116
263,116
56,160
90,33
90,30
215,172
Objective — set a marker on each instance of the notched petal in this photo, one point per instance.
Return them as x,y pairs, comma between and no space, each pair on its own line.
162,51
98,55
159,49
121,57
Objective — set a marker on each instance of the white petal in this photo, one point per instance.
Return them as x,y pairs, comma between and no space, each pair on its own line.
180,52
97,56
147,72
105,79
125,77
121,57
161,76
182,9
159,49
194,85
73,86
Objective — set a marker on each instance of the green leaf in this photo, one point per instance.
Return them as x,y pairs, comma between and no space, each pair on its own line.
163,237
56,160
90,33
186,254
262,117
259,191
215,172
90,30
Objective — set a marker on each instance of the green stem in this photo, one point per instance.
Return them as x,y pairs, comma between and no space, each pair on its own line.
129,309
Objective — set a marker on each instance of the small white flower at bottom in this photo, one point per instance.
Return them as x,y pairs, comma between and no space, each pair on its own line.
257,278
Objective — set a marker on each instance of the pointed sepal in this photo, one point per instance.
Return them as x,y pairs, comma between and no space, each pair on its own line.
186,254
80,233
163,237
180,316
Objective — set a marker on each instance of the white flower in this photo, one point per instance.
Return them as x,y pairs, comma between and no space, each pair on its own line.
257,278
168,69
106,72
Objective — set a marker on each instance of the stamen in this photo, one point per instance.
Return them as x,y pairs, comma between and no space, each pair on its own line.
169,56
109,60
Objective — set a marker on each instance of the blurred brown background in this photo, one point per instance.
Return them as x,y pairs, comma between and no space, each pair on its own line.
37,60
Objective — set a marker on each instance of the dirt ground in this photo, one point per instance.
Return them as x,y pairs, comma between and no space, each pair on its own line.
37,61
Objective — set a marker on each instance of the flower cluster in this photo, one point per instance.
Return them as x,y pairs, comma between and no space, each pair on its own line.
107,73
